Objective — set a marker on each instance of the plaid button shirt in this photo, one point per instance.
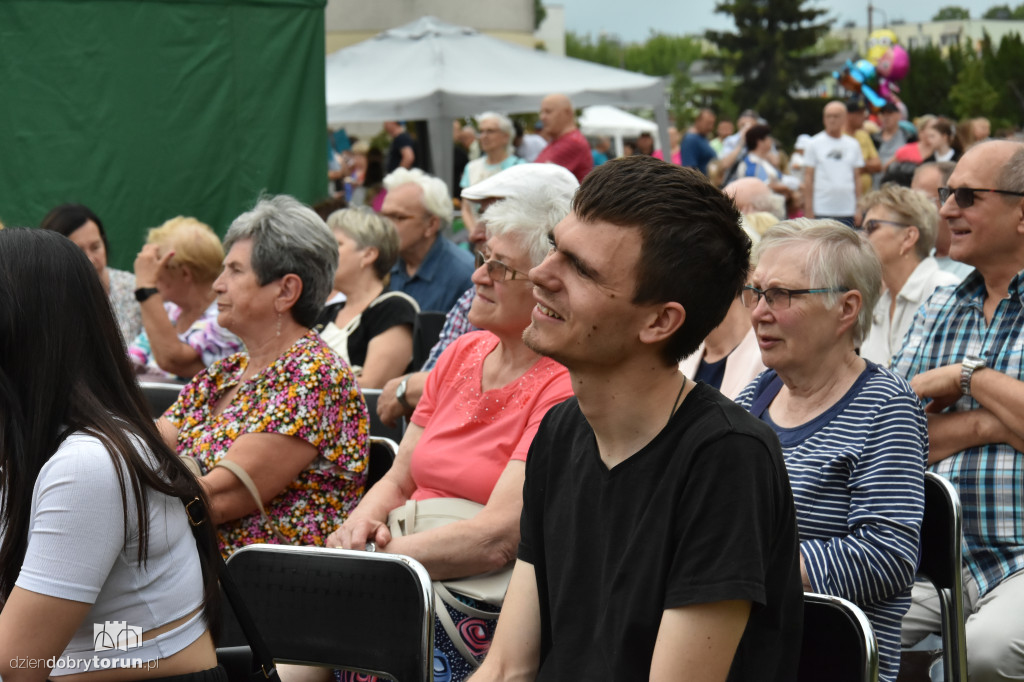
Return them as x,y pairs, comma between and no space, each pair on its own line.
989,478
456,323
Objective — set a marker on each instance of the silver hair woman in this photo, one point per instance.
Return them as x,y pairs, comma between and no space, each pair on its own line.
900,223
269,427
372,328
471,430
853,433
496,133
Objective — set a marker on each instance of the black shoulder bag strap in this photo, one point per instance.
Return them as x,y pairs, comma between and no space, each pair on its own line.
199,520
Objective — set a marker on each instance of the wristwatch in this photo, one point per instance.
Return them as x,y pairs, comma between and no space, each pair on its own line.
968,367
142,293
400,394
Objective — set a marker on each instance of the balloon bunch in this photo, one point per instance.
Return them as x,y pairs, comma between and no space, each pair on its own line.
875,77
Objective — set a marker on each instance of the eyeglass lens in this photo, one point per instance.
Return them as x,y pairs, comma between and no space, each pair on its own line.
496,270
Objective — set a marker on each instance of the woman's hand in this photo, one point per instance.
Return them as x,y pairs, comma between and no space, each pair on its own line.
357,531
148,264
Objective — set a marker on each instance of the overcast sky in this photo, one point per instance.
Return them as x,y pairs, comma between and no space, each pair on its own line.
633,20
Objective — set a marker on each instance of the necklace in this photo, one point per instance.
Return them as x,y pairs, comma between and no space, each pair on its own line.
675,405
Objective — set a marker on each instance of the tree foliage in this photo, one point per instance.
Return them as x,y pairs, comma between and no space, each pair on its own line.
998,12
775,48
968,82
925,88
951,12
660,55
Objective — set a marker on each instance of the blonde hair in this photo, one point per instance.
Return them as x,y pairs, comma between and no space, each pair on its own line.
195,247
759,222
910,207
366,228
836,257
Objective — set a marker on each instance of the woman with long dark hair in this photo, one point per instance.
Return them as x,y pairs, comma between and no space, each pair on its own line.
100,573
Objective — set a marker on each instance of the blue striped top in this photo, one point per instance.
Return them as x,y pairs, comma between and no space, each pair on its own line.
857,473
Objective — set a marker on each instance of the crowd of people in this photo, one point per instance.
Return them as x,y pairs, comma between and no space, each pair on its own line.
672,393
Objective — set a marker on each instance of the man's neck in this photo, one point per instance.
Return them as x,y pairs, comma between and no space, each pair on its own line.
627,406
414,256
563,133
836,136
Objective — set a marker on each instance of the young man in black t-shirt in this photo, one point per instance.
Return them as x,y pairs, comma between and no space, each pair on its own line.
659,536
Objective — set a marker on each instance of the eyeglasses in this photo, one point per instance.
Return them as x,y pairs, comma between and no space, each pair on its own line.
498,271
491,131
871,225
964,196
777,298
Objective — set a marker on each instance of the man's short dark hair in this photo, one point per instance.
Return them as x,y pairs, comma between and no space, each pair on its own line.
755,135
693,250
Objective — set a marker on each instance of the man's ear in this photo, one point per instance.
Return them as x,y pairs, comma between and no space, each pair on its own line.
289,290
664,321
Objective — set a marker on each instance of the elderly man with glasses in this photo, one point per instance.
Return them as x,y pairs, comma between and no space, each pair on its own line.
964,354
430,268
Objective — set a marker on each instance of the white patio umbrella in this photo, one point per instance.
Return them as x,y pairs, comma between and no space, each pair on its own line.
604,119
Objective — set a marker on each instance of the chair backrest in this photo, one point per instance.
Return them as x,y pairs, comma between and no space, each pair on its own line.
159,395
368,612
839,643
382,456
377,427
425,334
941,533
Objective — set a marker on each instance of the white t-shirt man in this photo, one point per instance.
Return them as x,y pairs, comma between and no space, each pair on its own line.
836,162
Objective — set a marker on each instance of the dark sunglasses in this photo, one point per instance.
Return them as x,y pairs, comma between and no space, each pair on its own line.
964,196
871,225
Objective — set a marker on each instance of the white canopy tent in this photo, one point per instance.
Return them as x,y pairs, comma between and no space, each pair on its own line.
432,70
603,119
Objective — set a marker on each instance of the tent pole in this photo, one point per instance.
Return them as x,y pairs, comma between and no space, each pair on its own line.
441,147
661,117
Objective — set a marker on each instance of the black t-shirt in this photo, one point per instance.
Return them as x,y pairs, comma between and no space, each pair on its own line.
401,140
702,514
385,312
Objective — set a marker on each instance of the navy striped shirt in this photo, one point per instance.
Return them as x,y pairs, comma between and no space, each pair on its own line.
857,473
989,478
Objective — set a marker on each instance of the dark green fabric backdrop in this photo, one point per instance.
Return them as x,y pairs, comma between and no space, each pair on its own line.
148,109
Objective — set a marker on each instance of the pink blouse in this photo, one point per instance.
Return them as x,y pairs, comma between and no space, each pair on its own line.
469,436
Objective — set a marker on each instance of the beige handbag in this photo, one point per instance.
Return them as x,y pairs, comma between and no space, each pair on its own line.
418,516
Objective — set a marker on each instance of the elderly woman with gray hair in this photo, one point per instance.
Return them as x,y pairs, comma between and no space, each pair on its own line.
853,434
372,328
496,135
277,433
901,225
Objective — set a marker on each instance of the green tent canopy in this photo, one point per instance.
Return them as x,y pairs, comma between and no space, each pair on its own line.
147,109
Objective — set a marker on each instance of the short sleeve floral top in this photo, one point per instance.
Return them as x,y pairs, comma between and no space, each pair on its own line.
308,393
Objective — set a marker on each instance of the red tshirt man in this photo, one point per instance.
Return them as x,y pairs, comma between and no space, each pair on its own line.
566,145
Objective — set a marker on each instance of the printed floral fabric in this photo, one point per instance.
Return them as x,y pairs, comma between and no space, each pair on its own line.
210,340
308,393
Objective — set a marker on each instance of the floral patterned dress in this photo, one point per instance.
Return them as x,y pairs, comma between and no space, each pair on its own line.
308,393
